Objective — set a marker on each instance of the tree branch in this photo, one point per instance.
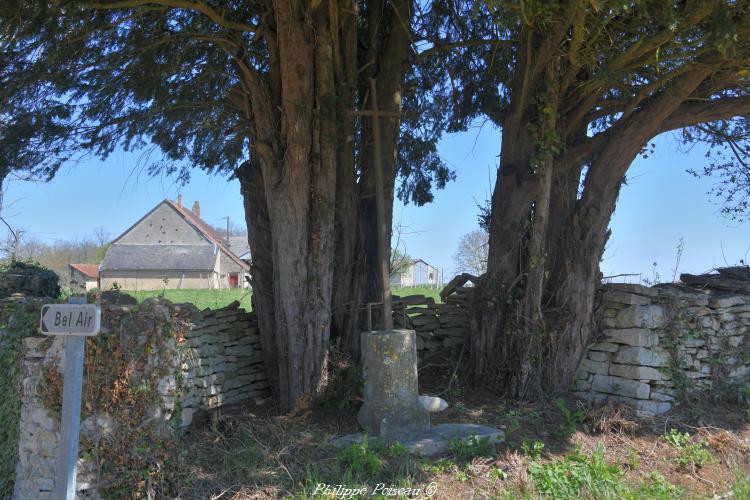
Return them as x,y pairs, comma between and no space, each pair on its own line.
691,113
198,6
441,45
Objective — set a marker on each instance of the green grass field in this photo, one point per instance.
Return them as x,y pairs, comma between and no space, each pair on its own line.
201,298
418,290
215,299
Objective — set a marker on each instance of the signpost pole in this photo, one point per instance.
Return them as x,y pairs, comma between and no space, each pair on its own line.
71,414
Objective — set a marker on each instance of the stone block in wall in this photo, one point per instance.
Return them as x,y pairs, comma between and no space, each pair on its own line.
632,336
582,385
599,355
593,397
633,288
663,396
636,372
596,367
655,357
452,332
651,316
724,301
620,386
452,341
644,408
622,297
604,346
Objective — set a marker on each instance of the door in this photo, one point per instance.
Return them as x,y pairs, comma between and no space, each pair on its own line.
234,280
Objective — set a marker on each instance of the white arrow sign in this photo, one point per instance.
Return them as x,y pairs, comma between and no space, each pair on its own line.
71,319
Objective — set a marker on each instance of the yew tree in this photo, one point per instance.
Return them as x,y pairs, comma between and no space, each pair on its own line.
579,88
267,90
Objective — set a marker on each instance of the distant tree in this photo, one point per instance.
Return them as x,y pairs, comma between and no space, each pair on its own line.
57,255
471,255
102,236
400,262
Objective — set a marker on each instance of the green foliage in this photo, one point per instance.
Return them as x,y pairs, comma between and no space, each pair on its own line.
475,447
656,487
689,453
201,298
532,449
572,420
361,458
578,476
16,322
28,277
244,456
741,486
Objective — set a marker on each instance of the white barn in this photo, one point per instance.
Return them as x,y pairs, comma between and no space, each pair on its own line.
419,273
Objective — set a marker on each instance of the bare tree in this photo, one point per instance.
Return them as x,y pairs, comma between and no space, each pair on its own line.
471,255
102,236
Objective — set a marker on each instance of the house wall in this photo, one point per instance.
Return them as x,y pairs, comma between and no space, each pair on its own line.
83,282
418,274
163,226
424,274
227,266
154,280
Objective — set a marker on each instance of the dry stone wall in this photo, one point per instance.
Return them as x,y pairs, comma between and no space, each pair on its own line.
441,328
221,361
177,362
659,344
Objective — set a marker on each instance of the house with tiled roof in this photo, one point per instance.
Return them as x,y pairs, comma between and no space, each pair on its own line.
84,277
171,247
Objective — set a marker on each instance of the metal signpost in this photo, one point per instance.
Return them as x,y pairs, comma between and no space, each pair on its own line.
74,320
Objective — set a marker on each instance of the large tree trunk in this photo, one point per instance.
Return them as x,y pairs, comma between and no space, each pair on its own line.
536,305
357,281
261,270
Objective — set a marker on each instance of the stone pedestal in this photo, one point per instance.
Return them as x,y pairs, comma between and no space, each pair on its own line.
391,408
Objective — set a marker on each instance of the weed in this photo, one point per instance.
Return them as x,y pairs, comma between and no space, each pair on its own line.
634,461
676,438
572,420
741,486
657,488
689,453
513,416
438,467
498,473
244,457
532,449
578,476
475,447
360,458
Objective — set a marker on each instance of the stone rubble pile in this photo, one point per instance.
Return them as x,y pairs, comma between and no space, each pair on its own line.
657,344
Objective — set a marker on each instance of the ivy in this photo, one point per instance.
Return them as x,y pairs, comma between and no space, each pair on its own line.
16,321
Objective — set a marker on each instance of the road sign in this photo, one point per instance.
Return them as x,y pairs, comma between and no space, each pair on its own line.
71,319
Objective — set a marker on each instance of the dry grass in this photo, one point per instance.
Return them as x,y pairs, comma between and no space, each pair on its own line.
254,453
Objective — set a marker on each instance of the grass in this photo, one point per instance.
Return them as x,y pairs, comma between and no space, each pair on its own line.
272,456
418,290
201,298
215,299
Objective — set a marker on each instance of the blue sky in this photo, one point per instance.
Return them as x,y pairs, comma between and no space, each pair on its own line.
660,205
